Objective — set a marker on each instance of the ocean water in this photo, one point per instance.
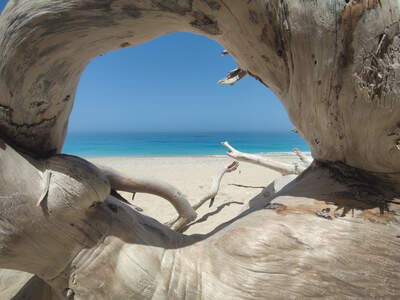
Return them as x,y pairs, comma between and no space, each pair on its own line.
180,144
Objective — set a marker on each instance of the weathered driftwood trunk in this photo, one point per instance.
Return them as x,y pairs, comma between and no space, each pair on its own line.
333,233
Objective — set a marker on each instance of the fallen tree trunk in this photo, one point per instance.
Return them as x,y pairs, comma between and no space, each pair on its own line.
333,64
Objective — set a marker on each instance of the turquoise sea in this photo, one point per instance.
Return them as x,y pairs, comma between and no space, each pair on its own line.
180,144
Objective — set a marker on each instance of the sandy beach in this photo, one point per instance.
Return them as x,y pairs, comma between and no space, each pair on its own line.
193,176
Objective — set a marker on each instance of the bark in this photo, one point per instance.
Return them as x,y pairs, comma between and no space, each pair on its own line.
332,233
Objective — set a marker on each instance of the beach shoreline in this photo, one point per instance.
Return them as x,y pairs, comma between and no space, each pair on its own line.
193,175
144,144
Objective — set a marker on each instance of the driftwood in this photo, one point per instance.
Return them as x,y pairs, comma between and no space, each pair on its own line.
331,234
179,223
155,186
289,171
306,160
233,77
281,167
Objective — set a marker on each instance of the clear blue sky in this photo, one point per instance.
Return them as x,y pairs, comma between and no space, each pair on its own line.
170,84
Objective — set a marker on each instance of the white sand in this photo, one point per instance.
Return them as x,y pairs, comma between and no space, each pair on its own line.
193,176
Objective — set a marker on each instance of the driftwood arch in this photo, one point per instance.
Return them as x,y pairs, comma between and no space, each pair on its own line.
58,44
334,65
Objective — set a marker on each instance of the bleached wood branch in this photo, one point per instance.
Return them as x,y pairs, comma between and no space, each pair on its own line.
233,76
215,185
304,159
280,167
179,223
141,184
